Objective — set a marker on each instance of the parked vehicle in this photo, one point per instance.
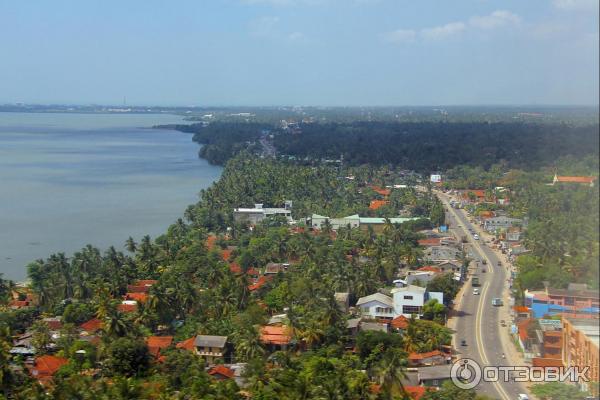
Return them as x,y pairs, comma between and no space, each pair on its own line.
475,280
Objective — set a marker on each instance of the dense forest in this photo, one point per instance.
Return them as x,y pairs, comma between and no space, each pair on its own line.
421,146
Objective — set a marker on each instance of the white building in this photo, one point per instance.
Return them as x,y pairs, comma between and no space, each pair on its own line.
259,213
377,305
409,300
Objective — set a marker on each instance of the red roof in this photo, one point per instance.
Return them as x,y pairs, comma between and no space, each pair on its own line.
145,282
576,179
235,268
210,241
381,191
416,392
127,308
92,325
522,327
222,371
46,366
157,343
259,283
375,204
430,242
421,356
252,271
18,303
225,254
275,335
141,297
521,309
546,362
400,322
138,288
477,192
187,344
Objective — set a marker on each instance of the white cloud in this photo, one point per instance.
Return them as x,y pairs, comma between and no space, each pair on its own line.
576,4
399,36
496,19
263,26
443,31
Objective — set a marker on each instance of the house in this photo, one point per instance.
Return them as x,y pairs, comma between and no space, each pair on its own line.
157,343
260,282
501,223
210,347
449,266
575,301
581,349
92,326
421,277
525,340
475,195
439,254
275,337
434,376
44,367
22,345
434,357
54,323
582,180
377,305
377,204
257,214
187,344
427,242
137,297
352,326
275,268
343,300
400,323
221,372
127,306
522,312
513,234
409,300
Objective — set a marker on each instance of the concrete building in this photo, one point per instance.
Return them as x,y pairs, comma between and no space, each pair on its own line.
376,305
501,223
409,300
354,221
580,349
255,215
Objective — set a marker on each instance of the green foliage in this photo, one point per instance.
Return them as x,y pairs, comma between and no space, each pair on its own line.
127,357
557,391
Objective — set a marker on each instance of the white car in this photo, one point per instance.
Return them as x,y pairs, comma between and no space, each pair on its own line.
523,397
476,292
476,236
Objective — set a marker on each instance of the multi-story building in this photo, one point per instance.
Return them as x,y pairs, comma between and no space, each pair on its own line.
410,300
580,349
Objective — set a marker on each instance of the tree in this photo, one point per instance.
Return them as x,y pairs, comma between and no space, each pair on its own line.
558,391
41,338
126,356
434,311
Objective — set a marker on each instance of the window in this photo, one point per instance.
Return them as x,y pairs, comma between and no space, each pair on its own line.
408,297
411,310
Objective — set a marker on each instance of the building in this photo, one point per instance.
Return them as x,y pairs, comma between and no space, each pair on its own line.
275,337
440,254
580,339
434,357
210,347
582,180
576,301
44,367
156,344
255,215
377,305
501,223
354,221
410,300
434,376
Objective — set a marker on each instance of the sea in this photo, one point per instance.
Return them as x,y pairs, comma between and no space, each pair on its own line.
68,180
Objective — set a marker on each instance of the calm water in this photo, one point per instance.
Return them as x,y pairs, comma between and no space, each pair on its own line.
67,180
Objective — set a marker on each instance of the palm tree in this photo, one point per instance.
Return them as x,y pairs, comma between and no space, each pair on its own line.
390,371
130,245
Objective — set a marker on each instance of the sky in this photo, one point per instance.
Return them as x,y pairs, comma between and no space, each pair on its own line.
300,52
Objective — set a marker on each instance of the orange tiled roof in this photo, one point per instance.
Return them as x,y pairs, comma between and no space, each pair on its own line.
259,283
138,288
92,325
157,343
187,344
400,322
376,204
210,241
429,268
235,268
381,191
522,327
141,297
421,356
430,242
275,335
546,362
225,254
521,309
18,303
127,308
46,366
576,179
221,370
145,282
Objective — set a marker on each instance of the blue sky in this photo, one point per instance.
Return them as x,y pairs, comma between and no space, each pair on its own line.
300,52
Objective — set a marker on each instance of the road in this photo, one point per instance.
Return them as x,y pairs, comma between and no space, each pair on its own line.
478,322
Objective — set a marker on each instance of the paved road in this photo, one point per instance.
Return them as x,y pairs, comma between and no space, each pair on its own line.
478,321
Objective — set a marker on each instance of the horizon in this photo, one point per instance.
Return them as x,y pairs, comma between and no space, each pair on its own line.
320,53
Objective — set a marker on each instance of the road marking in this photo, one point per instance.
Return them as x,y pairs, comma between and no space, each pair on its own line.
478,334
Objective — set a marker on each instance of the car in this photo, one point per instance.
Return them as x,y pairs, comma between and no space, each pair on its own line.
476,292
503,323
476,236
484,261
522,396
483,271
497,302
499,263
463,342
